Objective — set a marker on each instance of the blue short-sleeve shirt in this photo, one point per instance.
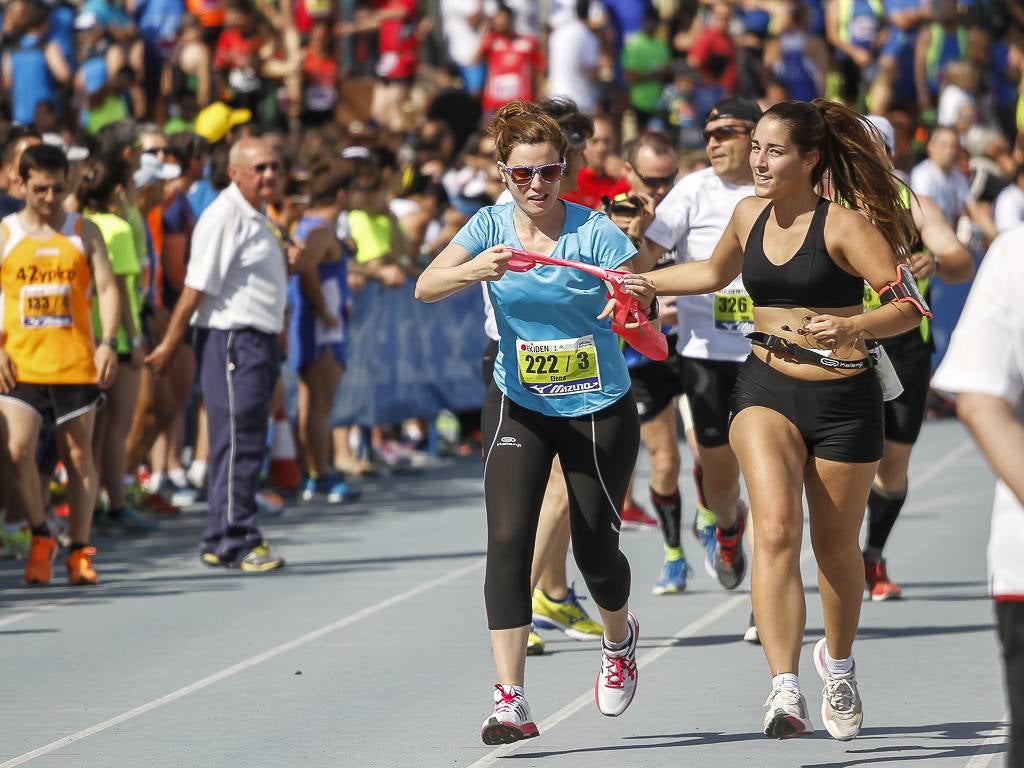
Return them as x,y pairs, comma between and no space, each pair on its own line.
559,304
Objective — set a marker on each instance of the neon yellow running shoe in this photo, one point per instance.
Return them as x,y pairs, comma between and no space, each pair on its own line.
534,643
17,542
567,615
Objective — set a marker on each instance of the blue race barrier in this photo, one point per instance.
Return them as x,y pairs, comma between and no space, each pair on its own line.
408,359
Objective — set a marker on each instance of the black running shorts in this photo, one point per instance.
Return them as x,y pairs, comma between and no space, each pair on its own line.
911,356
655,385
708,385
60,403
839,419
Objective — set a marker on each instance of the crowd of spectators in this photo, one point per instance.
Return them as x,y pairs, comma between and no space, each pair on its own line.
376,113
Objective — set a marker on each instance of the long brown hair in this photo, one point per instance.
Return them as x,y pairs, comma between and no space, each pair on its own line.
521,122
857,166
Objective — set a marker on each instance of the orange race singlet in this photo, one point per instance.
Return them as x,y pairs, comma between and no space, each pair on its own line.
46,283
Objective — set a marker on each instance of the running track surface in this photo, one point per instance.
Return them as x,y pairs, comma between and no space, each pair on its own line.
370,649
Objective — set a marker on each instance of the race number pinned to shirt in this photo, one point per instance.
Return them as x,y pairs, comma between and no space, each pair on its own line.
46,306
734,312
558,367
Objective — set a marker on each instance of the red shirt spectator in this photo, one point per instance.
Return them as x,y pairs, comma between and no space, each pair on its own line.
592,185
713,52
399,43
513,62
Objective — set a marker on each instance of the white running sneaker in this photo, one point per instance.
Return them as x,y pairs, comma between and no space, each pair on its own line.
510,720
787,716
841,708
616,683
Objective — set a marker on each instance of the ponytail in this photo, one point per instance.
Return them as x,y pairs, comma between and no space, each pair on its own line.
856,163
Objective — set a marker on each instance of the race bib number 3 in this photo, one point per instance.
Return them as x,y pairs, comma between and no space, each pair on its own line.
734,312
46,306
558,367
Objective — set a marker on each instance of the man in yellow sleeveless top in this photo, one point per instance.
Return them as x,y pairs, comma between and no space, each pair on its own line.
49,366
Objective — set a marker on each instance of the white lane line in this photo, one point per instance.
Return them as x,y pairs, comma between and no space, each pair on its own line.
966,447
241,666
587,698
14,618
697,625
980,760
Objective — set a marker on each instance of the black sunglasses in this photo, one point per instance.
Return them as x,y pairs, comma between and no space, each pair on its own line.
654,182
725,132
154,151
522,175
264,167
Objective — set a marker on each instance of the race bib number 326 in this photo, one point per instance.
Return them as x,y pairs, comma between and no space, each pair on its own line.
558,367
734,312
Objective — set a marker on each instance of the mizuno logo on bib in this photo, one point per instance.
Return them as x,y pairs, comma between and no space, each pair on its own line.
559,366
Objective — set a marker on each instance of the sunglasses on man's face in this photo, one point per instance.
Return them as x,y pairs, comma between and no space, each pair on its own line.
656,182
522,175
264,167
725,132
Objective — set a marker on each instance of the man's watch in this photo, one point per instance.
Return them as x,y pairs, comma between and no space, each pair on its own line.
653,310
135,342
110,342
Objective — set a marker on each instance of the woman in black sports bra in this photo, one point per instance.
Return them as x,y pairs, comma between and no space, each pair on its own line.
807,407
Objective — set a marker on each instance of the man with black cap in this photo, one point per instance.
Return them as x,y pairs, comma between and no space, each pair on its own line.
711,329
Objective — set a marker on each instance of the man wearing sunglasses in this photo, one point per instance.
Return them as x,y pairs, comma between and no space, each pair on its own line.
651,169
235,295
711,329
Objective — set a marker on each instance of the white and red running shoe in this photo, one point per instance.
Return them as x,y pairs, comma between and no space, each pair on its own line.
616,683
510,720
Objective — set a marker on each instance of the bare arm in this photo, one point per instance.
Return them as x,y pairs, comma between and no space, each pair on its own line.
317,246
953,263
924,39
999,434
57,64
699,277
183,311
456,268
109,302
856,240
103,280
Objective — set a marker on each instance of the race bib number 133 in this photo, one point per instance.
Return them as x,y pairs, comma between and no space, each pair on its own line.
559,366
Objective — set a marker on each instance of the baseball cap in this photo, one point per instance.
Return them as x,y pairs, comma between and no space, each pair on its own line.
214,122
884,128
151,169
736,108
73,153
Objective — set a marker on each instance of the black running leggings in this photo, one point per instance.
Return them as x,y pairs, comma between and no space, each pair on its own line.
597,452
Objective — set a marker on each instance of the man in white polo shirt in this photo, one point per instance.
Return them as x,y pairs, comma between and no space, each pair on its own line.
234,296
984,368
712,329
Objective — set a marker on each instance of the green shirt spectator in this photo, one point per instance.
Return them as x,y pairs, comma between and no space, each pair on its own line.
644,60
121,248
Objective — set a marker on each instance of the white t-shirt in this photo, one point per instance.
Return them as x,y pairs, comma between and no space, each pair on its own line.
463,39
490,324
691,219
1009,210
573,49
949,191
986,356
952,100
239,266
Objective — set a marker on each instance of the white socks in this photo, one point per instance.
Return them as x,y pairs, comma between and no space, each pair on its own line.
838,667
786,678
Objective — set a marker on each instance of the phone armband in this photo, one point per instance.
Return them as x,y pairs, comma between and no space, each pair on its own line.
904,288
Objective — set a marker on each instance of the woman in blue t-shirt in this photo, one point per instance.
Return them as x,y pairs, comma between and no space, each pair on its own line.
561,388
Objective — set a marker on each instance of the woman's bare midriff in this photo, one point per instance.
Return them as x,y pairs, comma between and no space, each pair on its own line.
772,319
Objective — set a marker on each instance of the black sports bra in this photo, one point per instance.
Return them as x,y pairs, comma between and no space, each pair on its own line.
809,279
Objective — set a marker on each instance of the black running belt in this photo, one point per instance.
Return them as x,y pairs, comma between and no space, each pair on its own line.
785,347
